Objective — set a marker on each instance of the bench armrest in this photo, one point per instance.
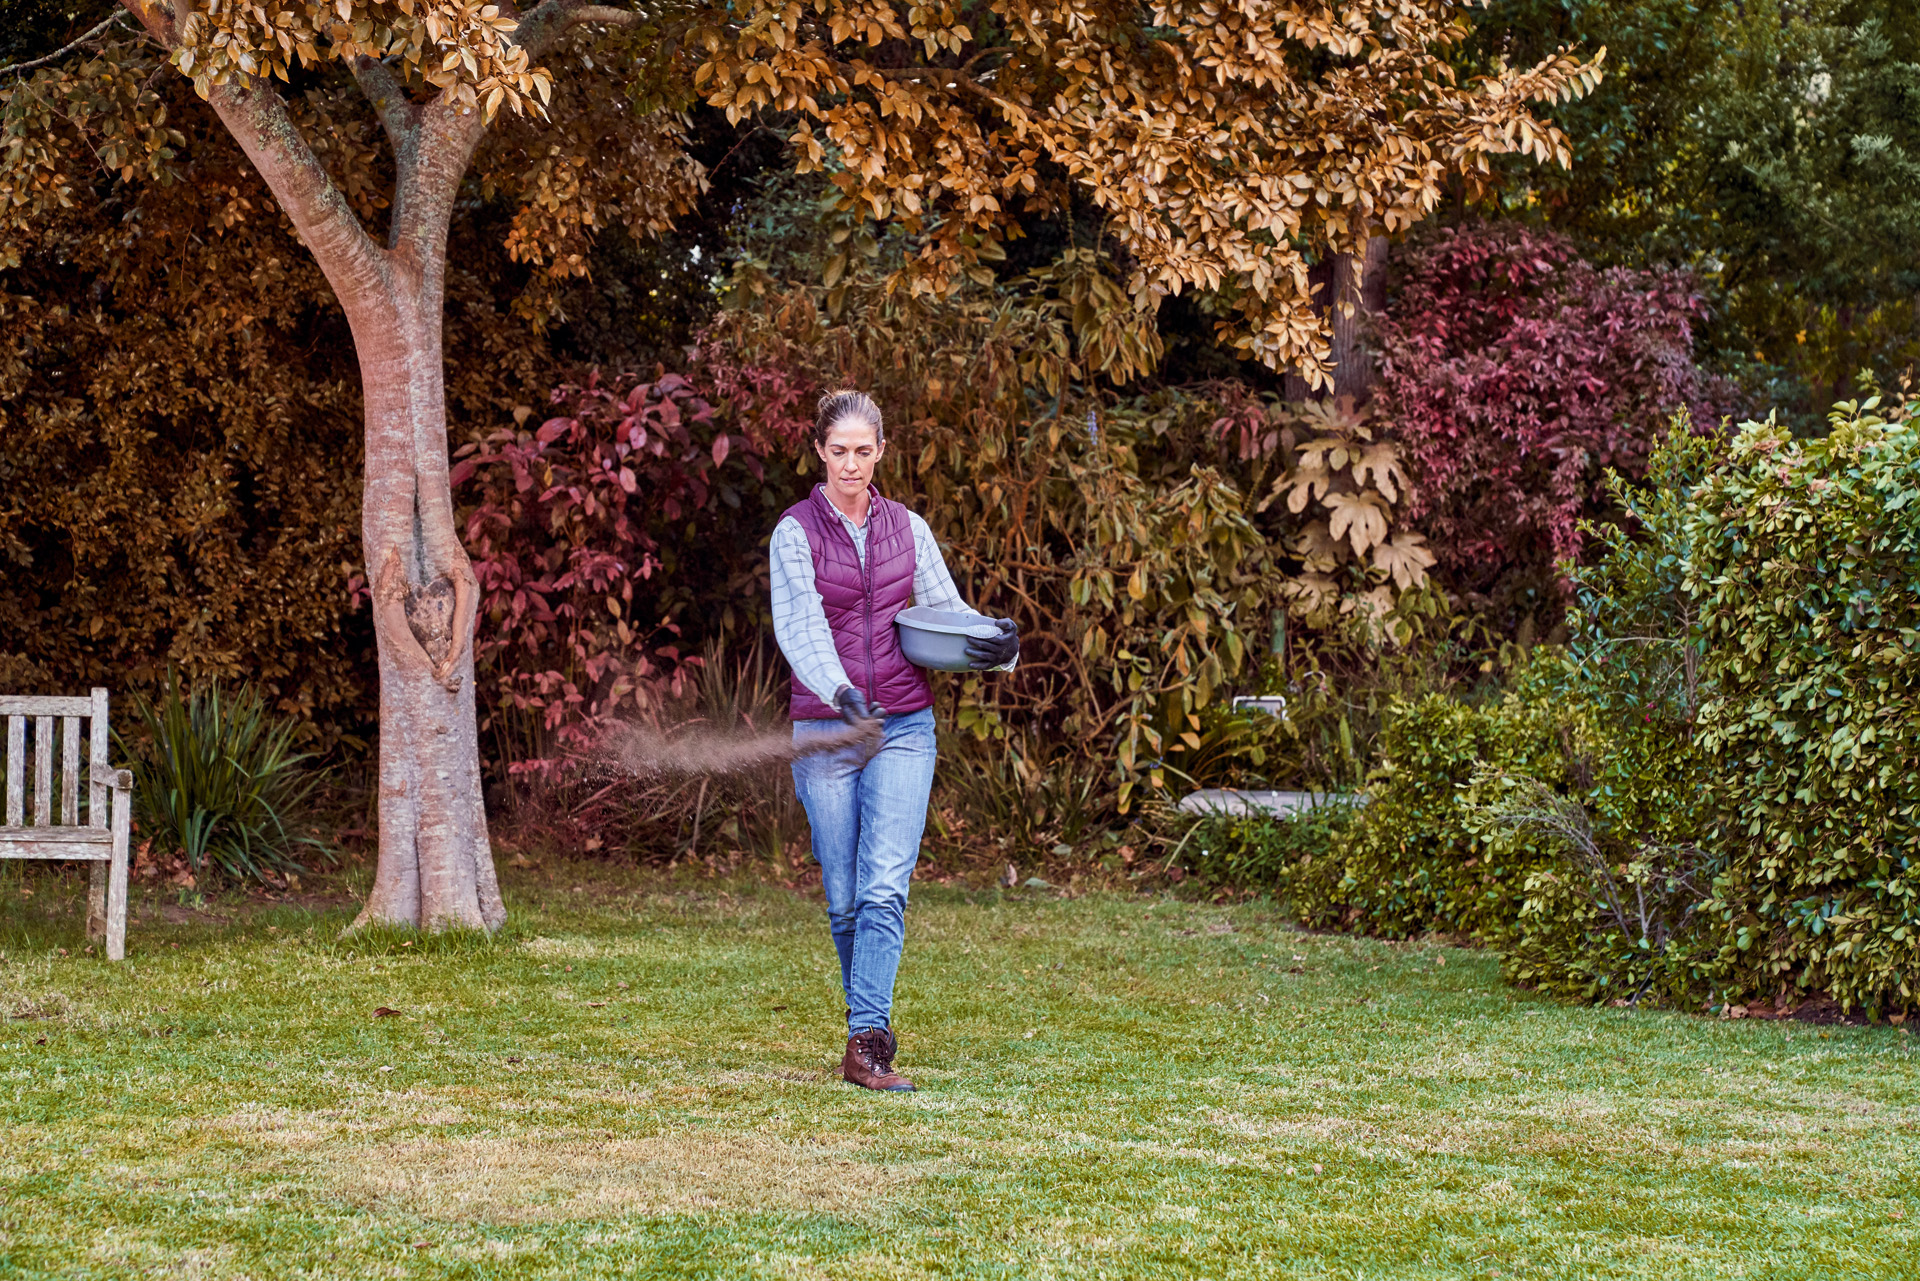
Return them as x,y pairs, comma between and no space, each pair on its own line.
119,779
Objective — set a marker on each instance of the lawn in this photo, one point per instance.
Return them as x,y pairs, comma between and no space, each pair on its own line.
638,1079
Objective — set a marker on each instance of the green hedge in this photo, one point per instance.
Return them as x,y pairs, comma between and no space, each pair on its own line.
1712,794
1806,568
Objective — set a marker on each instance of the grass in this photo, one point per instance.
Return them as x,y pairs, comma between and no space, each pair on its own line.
637,1080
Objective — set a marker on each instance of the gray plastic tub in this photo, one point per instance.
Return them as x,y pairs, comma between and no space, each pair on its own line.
936,639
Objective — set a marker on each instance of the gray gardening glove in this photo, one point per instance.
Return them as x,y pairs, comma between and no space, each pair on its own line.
852,706
988,652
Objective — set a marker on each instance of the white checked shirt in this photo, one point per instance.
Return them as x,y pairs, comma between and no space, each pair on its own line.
800,619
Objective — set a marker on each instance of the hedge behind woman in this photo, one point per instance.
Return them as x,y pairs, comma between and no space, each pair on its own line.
844,562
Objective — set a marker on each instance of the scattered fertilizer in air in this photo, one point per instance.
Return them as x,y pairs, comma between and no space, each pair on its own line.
643,750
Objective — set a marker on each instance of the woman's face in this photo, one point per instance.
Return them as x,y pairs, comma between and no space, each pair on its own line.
852,451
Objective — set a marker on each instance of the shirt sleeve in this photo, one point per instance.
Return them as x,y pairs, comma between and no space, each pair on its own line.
932,584
799,616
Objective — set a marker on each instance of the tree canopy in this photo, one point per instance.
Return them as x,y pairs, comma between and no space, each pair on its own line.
1227,147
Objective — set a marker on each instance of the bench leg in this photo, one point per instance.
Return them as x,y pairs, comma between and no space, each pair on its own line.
117,874
97,904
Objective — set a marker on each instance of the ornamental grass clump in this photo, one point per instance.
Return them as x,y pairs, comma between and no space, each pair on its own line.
219,781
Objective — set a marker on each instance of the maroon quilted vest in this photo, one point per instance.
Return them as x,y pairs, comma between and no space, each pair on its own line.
861,602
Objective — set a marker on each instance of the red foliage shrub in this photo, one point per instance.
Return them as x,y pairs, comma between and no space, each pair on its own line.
772,406
565,533
1515,373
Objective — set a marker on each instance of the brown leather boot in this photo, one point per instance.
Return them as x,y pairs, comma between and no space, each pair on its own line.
869,1061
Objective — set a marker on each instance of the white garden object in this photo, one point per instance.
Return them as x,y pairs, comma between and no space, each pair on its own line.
44,817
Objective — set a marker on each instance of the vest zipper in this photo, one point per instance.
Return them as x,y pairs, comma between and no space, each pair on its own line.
866,575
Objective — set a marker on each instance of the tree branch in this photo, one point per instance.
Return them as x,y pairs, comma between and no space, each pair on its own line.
20,68
258,120
399,115
550,19
606,14
158,20
429,173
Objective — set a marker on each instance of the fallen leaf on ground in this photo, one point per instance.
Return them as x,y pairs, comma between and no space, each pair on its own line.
385,1012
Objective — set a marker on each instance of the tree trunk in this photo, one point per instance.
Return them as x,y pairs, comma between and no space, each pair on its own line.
1350,302
436,863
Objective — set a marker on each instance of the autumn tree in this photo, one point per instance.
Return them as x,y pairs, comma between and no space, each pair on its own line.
1228,147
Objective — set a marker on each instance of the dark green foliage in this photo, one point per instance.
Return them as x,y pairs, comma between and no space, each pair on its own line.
217,779
1806,567
1622,845
1771,147
1294,857
1414,861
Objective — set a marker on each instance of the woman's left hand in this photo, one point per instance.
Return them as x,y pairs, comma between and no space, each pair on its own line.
986,653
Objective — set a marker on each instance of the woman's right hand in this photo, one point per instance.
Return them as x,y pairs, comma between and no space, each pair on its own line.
852,706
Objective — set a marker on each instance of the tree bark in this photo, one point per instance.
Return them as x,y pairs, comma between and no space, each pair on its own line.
436,862
1347,301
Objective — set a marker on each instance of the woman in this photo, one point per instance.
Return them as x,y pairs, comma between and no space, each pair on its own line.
844,561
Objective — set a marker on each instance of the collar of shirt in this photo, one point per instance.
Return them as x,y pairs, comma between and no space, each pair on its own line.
857,532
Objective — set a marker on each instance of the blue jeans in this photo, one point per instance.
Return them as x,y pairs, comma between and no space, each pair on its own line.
867,816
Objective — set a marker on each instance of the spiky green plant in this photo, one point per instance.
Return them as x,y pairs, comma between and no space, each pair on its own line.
218,780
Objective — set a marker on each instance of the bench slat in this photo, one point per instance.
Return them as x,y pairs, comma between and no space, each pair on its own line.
97,764
70,771
43,771
45,705
85,835
16,770
89,851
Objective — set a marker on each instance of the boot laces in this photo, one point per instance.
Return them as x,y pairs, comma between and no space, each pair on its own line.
876,1049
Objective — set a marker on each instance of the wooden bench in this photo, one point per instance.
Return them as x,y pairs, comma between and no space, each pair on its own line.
54,793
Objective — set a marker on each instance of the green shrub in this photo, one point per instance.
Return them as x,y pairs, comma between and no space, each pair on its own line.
218,780
1602,917
1806,567
1620,846
1713,789
1738,816
1414,860
1294,857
